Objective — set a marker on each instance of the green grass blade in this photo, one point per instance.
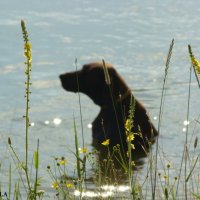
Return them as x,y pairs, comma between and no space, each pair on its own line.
36,160
192,169
77,150
10,181
36,164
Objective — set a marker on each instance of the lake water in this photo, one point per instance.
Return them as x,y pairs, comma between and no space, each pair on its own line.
132,35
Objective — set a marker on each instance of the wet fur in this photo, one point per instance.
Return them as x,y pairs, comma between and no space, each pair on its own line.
109,123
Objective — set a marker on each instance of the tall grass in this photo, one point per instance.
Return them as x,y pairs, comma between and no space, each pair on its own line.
108,82
160,116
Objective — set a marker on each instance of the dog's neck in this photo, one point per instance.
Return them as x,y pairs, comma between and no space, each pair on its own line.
118,100
122,97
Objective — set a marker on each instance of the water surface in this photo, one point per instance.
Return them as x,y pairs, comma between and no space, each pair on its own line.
132,35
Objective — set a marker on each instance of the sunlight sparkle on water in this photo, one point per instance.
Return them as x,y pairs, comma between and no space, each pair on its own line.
186,122
57,121
46,122
108,191
89,125
32,124
93,194
123,188
155,117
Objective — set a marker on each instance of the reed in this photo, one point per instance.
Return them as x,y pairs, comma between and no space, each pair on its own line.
160,116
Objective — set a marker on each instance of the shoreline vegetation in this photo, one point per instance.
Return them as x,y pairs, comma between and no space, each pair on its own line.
114,170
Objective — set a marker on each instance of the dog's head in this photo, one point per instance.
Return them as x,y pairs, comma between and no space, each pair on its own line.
90,80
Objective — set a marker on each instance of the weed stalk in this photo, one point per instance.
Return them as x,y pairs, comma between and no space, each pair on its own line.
28,56
160,114
108,82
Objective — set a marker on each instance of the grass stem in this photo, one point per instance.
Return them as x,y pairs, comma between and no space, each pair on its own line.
160,114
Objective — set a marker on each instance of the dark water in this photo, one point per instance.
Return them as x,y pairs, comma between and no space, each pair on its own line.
132,35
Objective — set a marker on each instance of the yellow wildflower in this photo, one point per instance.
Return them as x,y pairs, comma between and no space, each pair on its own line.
62,161
27,51
130,137
132,146
194,61
128,125
106,142
83,150
69,185
196,64
55,185
27,46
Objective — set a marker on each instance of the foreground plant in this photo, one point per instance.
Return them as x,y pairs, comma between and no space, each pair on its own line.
30,188
154,178
28,64
59,177
195,63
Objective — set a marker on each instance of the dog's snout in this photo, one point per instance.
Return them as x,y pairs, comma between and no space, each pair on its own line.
69,81
61,76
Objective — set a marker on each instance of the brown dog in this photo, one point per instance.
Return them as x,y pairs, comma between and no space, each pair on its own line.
114,101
